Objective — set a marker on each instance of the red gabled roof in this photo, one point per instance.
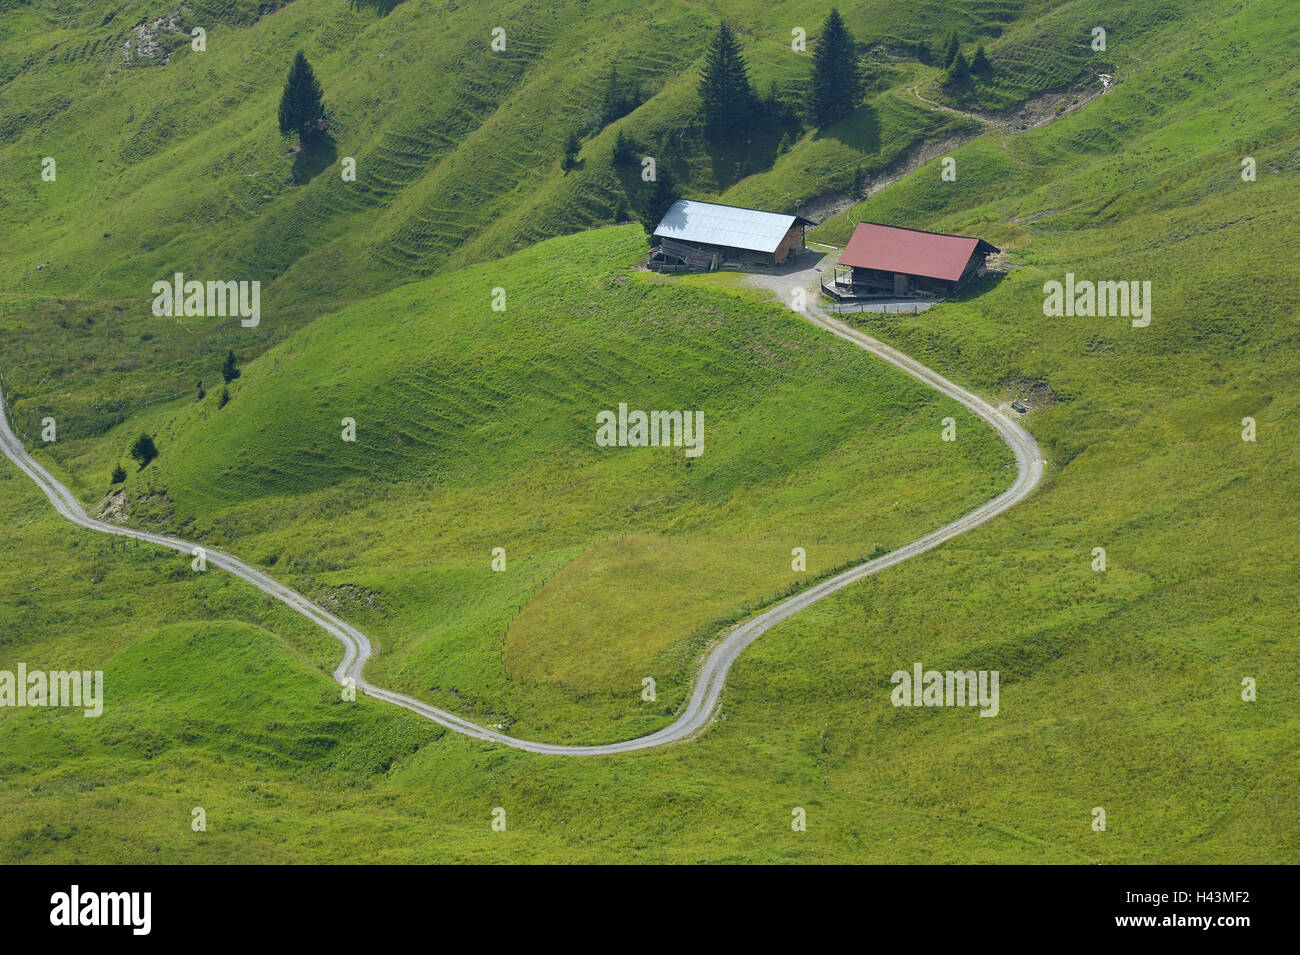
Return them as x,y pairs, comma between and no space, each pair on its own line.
893,249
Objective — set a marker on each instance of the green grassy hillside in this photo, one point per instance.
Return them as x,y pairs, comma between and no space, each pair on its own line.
170,160
475,429
1121,689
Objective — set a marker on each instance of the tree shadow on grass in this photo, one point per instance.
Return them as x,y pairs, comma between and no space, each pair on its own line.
748,150
859,130
317,154
382,7
978,287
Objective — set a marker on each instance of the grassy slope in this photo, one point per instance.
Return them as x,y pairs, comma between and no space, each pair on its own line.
1120,690
1143,185
179,166
475,430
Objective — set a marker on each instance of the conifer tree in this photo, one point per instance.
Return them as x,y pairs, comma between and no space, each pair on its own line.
624,148
726,98
656,200
950,50
620,98
229,369
959,72
836,82
301,108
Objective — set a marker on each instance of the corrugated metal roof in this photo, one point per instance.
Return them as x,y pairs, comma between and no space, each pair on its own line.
893,249
690,221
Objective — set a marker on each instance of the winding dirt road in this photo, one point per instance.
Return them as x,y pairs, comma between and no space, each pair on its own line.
707,689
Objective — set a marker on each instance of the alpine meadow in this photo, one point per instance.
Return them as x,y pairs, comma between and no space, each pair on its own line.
593,431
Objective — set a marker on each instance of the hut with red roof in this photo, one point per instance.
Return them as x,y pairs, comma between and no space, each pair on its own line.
890,261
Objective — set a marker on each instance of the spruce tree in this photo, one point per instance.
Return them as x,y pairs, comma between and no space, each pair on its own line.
571,149
726,98
300,103
618,100
836,82
624,149
229,370
656,201
859,183
951,50
979,63
613,96
959,72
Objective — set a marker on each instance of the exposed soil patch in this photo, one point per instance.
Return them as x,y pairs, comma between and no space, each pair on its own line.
153,510
891,51
1051,105
1033,112
1036,110
1033,215
145,40
335,598
114,508
1000,263
826,207
1031,392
